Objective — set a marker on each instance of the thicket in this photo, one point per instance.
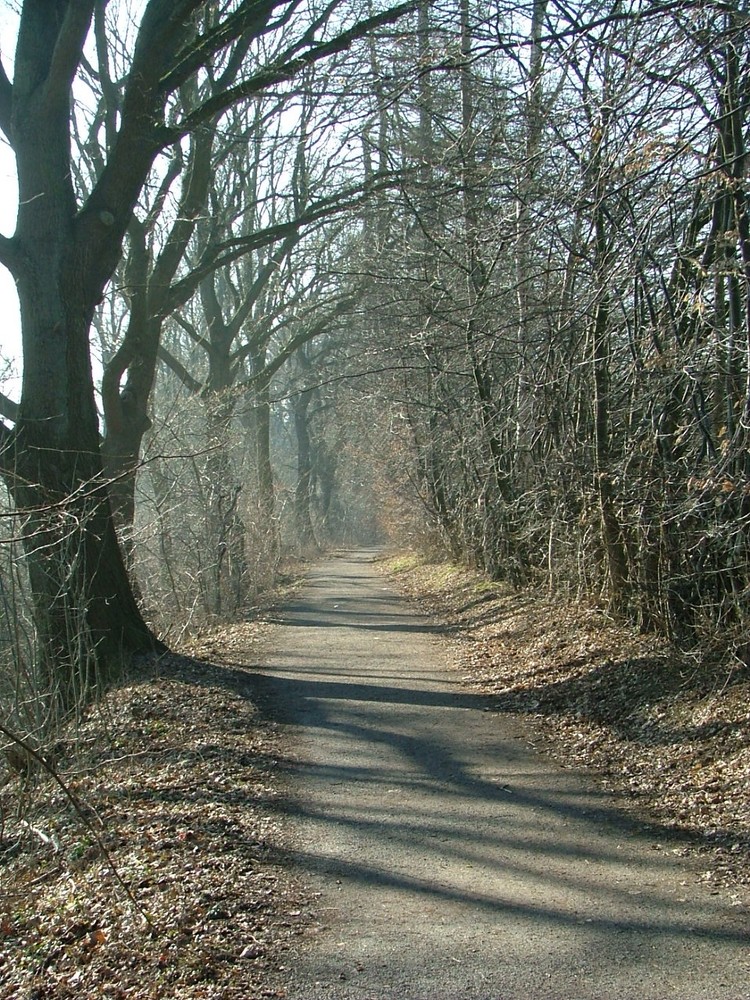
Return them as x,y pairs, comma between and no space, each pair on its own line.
572,289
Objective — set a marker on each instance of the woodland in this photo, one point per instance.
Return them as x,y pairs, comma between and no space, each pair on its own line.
295,274
463,277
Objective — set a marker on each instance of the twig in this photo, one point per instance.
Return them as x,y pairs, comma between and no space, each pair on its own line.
46,838
80,810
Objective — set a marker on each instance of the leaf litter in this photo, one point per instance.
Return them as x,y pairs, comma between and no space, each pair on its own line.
172,886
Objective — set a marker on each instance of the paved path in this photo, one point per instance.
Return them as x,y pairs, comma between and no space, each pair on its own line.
452,862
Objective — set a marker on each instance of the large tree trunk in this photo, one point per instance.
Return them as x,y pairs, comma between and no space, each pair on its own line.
87,618
86,615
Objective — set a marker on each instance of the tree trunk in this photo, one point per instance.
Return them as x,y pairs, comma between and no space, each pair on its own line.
260,429
304,489
615,559
86,616
226,529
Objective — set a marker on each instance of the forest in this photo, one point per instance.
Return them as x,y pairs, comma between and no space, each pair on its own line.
453,295
296,274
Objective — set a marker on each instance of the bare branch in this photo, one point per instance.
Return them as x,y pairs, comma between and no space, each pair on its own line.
251,296
163,31
249,21
6,102
307,335
221,254
8,408
284,70
191,383
29,754
192,331
109,91
68,48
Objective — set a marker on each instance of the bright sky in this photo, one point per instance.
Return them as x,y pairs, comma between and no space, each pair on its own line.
10,325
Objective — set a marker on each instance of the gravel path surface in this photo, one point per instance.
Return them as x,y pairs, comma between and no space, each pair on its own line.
451,861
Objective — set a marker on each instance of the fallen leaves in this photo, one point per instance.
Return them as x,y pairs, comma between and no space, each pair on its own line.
178,773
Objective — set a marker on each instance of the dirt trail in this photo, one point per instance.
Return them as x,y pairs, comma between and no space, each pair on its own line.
452,862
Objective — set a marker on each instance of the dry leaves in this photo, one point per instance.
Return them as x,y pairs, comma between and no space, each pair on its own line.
179,776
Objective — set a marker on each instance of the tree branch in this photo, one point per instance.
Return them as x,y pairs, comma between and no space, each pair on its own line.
283,71
29,754
109,90
8,408
68,48
175,366
221,254
6,102
251,296
192,331
192,201
7,450
9,254
104,218
247,22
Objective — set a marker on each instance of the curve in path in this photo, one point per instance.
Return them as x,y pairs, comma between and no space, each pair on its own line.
451,861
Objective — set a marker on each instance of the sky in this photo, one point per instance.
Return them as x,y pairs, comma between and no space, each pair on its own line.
10,324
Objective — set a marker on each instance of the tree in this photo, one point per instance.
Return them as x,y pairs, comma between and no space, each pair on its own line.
65,250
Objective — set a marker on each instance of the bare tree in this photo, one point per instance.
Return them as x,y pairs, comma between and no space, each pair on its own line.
64,251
